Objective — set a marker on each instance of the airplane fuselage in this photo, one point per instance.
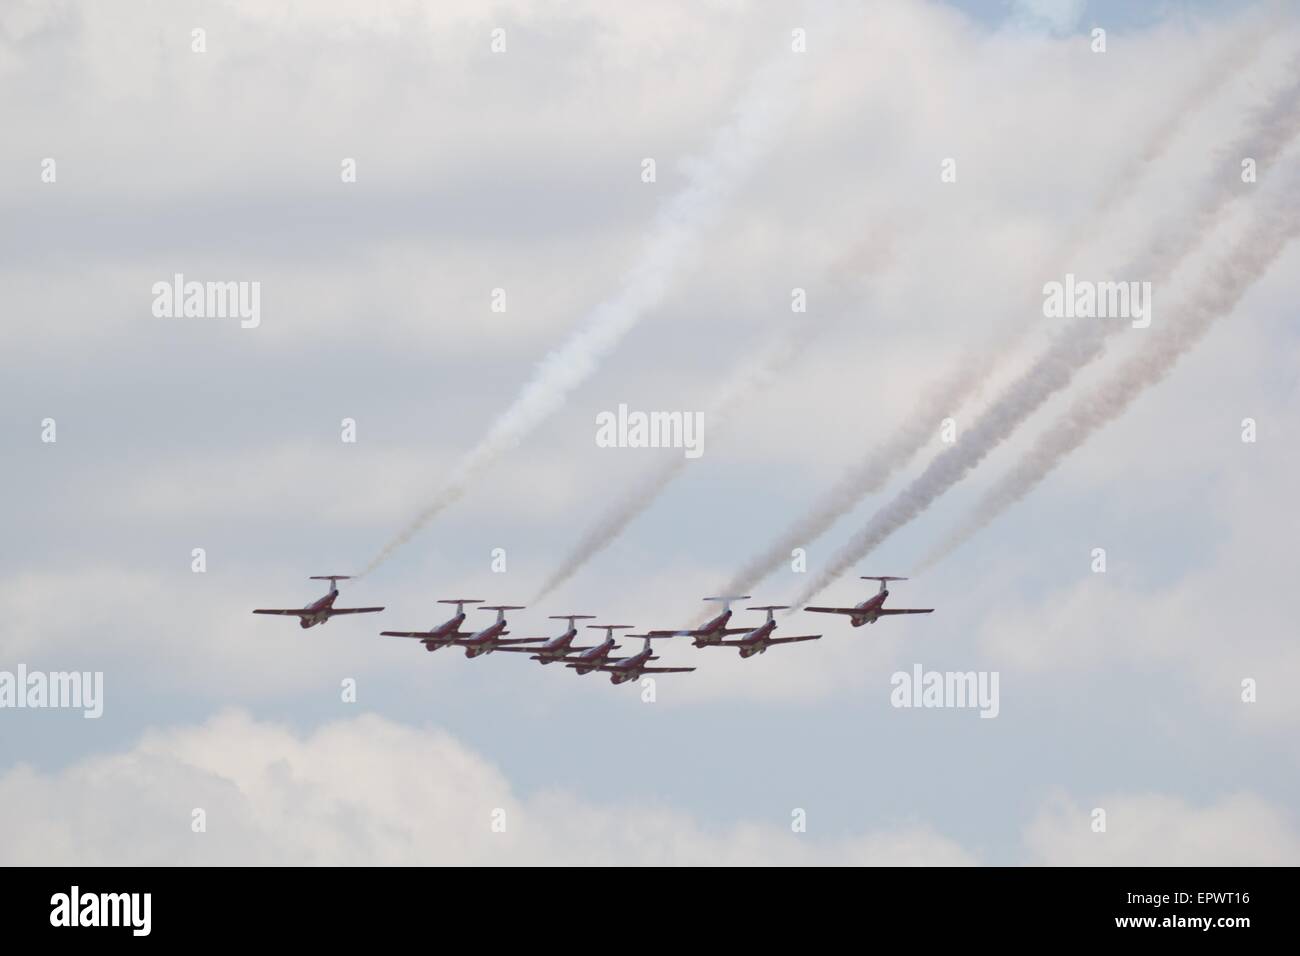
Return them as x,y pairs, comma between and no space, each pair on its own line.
444,634
588,661
868,612
317,612
630,668
711,631
557,648
755,642
485,641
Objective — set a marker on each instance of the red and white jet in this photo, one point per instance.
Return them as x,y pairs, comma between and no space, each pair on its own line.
321,610
713,630
760,638
872,609
559,647
623,669
491,637
448,632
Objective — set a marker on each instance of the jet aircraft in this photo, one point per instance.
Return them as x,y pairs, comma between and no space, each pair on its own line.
446,633
760,638
713,630
322,609
873,608
623,669
559,647
492,637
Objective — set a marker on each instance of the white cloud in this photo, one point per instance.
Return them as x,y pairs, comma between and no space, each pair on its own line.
368,791
1157,830
1217,624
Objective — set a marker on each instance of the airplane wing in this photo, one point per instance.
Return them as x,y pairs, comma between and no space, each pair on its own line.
534,650
296,612
834,610
666,670
423,635
352,610
904,610
771,640
524,640
605,664
701,633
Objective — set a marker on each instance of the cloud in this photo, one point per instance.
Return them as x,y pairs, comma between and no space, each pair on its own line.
1157,830
1216,623
367,791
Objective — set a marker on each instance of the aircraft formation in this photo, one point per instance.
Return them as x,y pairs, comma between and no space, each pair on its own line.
585,659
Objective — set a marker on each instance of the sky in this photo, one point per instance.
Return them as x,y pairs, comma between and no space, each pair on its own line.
919,169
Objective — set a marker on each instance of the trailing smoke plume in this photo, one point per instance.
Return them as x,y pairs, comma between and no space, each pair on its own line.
866,476
757,371
1224,285
1272,129
1241,50
871,473
736,148
754,373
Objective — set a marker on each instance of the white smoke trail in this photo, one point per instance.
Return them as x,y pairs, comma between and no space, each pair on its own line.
756,372
871,472
867,475
735,150
1223,288
1275,127
1240,51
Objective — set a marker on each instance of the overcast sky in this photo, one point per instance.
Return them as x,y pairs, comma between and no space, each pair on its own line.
522,170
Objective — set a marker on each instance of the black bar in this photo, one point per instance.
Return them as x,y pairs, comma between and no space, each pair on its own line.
333,906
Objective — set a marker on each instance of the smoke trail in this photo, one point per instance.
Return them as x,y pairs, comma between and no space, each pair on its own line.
780,350
1240,51
735,150
1078,345
757,370
871,473
1274,127
1225,284
866,476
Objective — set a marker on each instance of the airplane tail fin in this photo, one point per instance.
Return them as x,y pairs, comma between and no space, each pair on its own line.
726,599
884,579
460,603
333,579
501,609
769,608
571,618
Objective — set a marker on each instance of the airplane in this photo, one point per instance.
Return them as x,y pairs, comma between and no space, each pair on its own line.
559,647
590,660
872,609
713,630
760,638
448,632
322,609
623,669
490,638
